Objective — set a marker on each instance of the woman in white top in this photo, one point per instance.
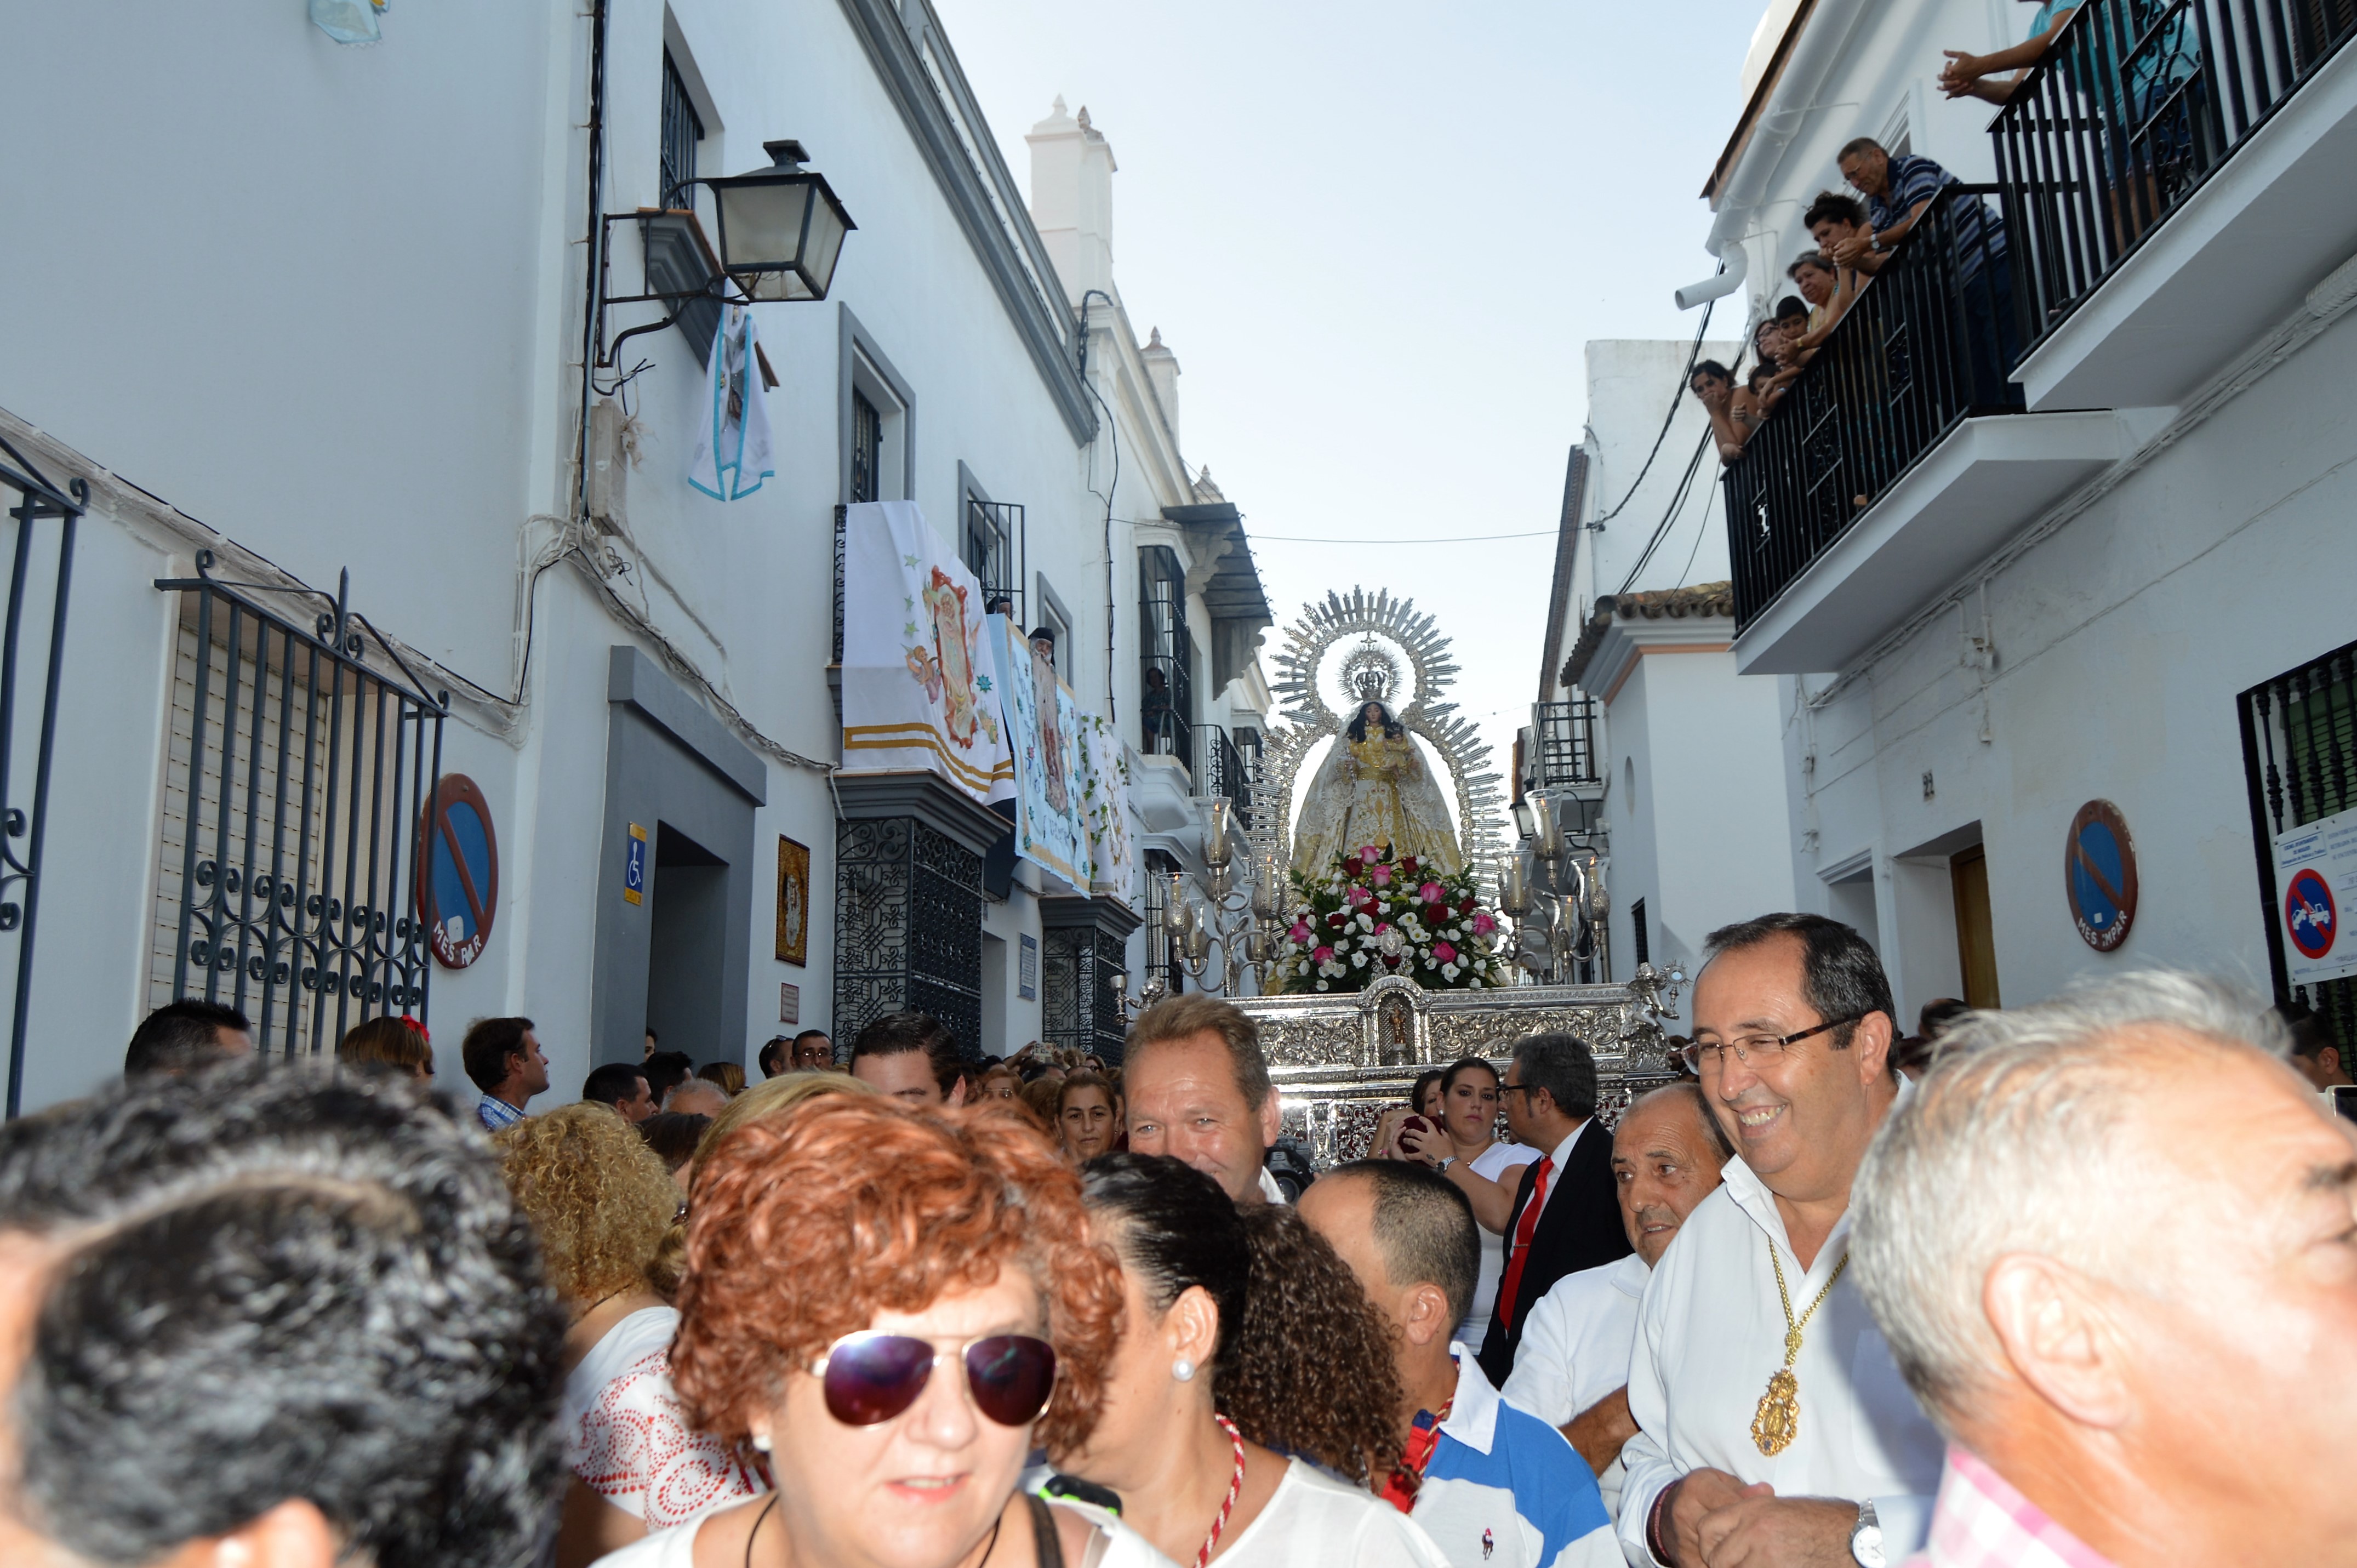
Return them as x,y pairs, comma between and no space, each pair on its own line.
1235,1326
601,1200
888,1306
1484,1166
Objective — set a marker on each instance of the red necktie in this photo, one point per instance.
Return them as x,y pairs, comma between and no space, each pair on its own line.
1526,1224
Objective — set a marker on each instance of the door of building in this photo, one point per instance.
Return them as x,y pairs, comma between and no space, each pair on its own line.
1976,939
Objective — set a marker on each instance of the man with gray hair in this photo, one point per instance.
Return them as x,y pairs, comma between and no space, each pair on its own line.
2027,1228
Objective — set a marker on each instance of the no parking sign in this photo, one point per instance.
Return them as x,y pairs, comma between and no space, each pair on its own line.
2315,869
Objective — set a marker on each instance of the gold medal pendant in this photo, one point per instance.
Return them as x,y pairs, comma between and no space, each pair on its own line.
1778,1420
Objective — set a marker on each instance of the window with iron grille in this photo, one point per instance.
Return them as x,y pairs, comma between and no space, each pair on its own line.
1636,929
1167,702
2299,759
866,449
991,549
682,130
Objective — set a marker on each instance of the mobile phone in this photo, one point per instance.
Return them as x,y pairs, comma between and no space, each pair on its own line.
2343,1100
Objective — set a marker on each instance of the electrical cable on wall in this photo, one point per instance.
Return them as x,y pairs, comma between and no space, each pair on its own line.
1693,356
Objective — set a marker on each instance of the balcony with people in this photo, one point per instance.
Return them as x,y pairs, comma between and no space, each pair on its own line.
2175,179
1879,447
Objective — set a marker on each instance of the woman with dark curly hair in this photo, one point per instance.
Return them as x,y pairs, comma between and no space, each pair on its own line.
886,1303
601,1200
1243,1336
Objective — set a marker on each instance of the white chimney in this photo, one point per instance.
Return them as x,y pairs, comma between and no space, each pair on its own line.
1162,370
1072,199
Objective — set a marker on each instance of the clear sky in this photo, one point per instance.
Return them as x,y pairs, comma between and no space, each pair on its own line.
1377,236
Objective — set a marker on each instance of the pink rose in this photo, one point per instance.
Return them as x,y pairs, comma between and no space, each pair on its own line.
1484,925
1383,876
1300,930
1431,893
1382,927
1367,855
1323,955
1444,952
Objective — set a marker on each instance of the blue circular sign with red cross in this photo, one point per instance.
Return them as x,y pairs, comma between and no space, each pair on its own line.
459,872
2099,870
2309,915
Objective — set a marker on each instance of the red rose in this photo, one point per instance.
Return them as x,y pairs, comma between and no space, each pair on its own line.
1465,906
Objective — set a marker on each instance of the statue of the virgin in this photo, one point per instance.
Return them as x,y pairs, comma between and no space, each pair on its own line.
1374,787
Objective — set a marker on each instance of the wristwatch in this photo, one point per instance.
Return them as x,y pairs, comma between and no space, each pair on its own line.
1865,1538
1446,1161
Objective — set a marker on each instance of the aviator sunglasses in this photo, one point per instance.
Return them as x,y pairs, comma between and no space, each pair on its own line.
869,1377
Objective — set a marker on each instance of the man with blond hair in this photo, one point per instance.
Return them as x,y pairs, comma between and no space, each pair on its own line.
2112,1242
1195,1086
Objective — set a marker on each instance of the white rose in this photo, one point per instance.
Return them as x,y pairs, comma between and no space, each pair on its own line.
1475,987
1448,970
1321,986
1358,961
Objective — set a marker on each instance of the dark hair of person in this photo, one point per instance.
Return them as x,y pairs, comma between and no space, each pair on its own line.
181,1035
1939,1016
2309,1037
773,1057
611,1083
1424,1081
387,1043
1711,368
489,1043
1458,1068
1175,1228
1562,1065
1699,1103
1357,729
281,1283
810,1035
1840,976
896,1034
673,1135
666,1070
1081,1077
1424,1227
1859,147
729,1075
1792,308
1760,373
1832,207
1314,1372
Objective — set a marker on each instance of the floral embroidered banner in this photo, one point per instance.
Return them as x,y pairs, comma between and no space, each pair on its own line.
1043,730
919,674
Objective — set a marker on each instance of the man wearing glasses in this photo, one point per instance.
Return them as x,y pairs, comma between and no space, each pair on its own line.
1567,1213
1773,1426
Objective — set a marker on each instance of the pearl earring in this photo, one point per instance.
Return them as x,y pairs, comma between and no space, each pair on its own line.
1183,1370
761,1442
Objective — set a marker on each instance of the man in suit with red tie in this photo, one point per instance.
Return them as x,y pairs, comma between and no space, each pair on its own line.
1567,1216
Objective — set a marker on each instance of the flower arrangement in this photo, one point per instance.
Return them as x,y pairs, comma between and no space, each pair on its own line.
1373,915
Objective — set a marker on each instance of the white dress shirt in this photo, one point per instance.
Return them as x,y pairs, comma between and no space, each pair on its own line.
1575,1348
1493,1163
1709,1336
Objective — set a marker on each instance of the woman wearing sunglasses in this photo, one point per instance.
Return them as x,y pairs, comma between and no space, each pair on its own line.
883,1305
1243,1334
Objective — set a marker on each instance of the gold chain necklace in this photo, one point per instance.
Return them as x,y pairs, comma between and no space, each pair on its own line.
1778,1420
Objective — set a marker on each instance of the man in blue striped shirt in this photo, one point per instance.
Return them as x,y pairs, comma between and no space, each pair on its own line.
1898,193
1493,1485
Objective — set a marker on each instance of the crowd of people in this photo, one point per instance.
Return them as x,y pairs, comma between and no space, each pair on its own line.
2071,1283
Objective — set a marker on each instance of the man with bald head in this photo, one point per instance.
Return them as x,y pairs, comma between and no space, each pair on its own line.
1573,1368
2113,1241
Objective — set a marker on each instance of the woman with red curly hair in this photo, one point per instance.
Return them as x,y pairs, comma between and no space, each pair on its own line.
885,1304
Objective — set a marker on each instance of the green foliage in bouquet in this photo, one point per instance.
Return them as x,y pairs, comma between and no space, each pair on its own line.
1370,915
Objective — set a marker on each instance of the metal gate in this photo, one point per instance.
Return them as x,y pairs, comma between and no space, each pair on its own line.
39,570
2300,760
300,761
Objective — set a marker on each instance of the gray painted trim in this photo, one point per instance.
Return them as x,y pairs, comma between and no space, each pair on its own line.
895,55
1055,601
633,678
852,341
928,797
1104,913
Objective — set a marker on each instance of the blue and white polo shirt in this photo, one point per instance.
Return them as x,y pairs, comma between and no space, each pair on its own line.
1506,1490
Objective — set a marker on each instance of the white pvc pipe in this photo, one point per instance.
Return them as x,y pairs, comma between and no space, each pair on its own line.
1727,282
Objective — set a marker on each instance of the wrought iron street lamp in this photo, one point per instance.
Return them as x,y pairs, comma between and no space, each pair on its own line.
782,228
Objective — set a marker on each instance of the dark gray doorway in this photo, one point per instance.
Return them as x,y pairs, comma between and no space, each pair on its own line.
685,945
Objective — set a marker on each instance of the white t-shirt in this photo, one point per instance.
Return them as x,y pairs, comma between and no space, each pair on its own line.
1315,1518
1492,1162
626,1437
1115,1545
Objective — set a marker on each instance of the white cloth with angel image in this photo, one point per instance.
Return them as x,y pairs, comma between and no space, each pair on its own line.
920,679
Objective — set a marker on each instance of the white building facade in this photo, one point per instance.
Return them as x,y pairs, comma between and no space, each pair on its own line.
1640,709
2059,655
331,547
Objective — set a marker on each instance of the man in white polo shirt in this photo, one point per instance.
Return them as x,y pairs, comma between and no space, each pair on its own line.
1572,1371
1774,1429
1493,1485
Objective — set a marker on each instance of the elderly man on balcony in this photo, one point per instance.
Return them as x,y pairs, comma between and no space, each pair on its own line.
1899,192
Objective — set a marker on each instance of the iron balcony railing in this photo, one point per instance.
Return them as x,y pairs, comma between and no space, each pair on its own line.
1565,733
1224,774
2134,106
1927,344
